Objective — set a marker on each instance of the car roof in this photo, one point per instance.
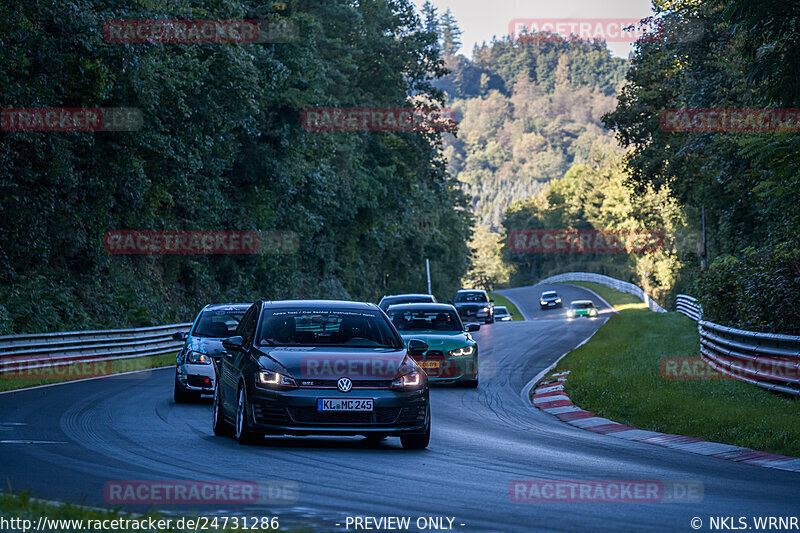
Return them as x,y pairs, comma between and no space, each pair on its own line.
422,306
498,307
549,292
470,290
227,307
409,295
329,304
582,302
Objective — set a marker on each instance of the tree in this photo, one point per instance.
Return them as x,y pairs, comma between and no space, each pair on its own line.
450,34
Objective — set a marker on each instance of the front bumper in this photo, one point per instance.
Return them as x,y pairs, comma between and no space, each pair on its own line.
294,412
450,369
197,378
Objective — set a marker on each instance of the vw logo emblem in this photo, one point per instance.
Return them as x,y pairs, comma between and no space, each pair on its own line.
344,384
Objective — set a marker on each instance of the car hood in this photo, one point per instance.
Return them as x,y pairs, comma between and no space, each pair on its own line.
207,345
308,362
439,341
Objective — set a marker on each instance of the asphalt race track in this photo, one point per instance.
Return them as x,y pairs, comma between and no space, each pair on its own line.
65,442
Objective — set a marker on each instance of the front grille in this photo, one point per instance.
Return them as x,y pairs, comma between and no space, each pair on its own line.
265,414
357,383
444,369
310,415
410,415
198,381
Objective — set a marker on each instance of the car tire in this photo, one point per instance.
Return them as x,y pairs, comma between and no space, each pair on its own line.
244,434
220,426
470,383
179,394
418,441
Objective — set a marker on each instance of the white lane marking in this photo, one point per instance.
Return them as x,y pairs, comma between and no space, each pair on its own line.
590,422
525,393
635,434
562,409
84,379
26,441
553,388
548,399
709,448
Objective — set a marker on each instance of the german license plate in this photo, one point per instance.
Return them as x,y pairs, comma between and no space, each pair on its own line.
429,364
340,404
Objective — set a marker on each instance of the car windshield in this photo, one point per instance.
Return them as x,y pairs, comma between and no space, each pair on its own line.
433,319
327,327
218,324
500,311
582,305
478,297
549,295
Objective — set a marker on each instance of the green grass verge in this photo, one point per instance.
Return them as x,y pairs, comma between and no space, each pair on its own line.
55,374
502,300
22,507
617,375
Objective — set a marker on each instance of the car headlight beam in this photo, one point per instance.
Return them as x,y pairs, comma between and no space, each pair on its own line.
197,358
464,350
274,380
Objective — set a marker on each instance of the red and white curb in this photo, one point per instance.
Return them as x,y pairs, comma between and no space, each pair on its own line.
551,398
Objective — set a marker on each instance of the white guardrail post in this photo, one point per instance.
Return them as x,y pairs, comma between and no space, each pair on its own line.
44,350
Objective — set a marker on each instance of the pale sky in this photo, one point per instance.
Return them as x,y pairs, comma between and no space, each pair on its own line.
481,19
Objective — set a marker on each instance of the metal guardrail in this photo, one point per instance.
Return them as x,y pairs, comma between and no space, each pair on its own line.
622,286
768,360
33,351
689,306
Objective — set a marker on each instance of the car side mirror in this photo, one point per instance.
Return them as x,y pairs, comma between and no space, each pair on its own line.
473,327
491,301
180,335
233,344
450,302
417,347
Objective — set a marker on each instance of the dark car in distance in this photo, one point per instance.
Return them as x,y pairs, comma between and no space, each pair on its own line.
304,367
411,298
194,372
550,300
474,304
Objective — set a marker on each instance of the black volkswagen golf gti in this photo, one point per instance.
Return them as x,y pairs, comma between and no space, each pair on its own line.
305,367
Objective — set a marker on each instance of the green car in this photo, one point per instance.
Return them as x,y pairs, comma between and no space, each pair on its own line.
452,354
582,308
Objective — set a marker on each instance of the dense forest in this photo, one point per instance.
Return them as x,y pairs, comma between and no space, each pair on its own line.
221,147
731,54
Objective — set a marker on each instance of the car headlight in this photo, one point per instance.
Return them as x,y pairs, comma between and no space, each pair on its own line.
274,380
197,358
593,312
569,312
558,300
411,381
465,350
485,309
